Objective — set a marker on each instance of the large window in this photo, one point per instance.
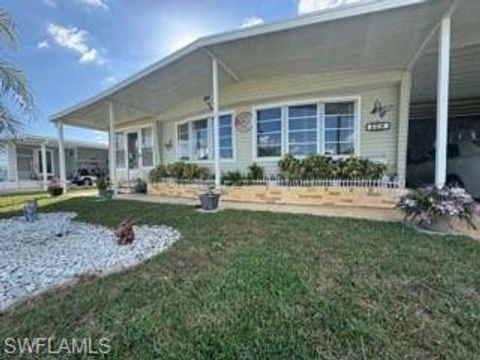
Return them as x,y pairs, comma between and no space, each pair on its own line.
201,146
120,150
269,132
340,128
226,136
297,129
3,163
183,141
302,129
147,147
195,139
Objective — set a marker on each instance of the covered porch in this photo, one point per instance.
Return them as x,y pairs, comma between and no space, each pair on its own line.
396,52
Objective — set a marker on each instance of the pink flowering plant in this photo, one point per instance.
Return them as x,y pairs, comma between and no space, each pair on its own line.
430,203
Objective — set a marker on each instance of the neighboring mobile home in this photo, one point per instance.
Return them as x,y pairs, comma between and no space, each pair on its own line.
22,161
338,82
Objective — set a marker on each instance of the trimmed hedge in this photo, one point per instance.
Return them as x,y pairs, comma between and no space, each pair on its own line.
315,167
179,171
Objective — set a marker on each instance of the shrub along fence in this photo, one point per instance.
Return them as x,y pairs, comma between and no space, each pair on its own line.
299,182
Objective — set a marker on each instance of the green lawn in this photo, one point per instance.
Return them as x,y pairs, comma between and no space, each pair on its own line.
257,285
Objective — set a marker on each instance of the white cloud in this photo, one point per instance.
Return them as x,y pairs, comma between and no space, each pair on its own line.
306,6
252,21
109,80
43,44
101,4
74,39
89,4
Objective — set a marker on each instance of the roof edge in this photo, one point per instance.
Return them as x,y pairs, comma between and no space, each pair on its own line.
342,12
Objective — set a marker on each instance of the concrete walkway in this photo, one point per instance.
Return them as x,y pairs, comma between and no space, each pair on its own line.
331,211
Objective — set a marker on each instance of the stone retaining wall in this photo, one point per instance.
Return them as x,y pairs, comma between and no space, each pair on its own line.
307,196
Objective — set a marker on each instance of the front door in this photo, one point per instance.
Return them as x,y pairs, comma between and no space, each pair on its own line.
133,155
39,164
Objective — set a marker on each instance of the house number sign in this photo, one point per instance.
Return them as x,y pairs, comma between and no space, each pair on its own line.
379,126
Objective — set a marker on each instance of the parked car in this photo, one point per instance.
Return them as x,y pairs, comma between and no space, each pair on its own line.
463,167
85,177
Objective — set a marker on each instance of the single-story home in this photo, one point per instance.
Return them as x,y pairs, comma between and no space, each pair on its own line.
338,82
28,162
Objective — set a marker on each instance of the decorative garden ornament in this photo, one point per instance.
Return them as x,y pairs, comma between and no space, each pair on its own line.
125,233
61,227
30,211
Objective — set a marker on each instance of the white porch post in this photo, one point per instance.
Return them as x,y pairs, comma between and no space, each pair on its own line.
44,166
111,143
403,123
216,131
442,101
61,157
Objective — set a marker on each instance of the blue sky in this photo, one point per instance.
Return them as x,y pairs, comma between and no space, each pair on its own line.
72,49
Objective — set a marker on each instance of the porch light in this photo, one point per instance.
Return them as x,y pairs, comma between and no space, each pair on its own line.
208,101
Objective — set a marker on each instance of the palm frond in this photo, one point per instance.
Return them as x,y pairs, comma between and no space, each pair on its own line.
7,27
9,123
14,85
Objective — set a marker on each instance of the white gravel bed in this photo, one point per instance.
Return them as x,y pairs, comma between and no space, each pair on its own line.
33,259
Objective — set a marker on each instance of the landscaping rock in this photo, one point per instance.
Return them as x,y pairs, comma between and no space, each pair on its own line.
34,259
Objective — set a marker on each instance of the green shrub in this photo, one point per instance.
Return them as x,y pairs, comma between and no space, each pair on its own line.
315,167
233,178
318,167
179,171
290,167
158,173
255,172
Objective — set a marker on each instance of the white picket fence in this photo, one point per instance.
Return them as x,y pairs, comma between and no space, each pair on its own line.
352,183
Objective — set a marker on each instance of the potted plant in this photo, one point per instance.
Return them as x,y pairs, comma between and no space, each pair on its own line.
104,192
140,186
54,188
210,200
435,209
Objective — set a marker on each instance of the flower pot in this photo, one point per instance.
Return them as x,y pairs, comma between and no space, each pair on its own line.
55,191
439,225
209,202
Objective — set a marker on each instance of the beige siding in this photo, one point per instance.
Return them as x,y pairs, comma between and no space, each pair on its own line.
243,96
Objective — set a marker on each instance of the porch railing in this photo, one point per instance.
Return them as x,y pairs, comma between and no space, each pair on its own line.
350,183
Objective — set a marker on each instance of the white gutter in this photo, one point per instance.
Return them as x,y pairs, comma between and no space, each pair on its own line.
361,8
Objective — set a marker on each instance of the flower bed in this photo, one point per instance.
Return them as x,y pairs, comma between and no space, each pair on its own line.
436,209
303,193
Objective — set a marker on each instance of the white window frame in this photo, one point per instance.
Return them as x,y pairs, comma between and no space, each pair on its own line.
320,102
287,130
124,149
38,161
138,129
140,147
190,122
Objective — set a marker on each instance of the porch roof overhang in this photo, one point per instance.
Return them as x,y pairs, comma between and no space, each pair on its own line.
372,36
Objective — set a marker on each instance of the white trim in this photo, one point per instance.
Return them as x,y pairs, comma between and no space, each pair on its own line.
430,36
353,10
138,130
37,163
443,87
125,149
224,66
287,129
207,116
320,102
